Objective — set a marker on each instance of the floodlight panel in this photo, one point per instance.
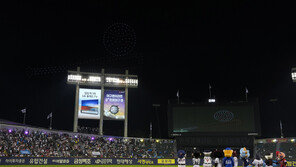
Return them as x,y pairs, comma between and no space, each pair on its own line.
121,81
84,78
293,74
94,79
212,100
97,79
74,78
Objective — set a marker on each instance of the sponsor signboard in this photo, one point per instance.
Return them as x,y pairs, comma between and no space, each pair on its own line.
99,161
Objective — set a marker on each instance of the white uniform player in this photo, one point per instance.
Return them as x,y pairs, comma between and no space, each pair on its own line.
181,162
235,160
207,159
258,162
218,161
196,162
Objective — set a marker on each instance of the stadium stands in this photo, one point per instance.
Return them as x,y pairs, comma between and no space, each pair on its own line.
89,130
267,146
21,142
289,149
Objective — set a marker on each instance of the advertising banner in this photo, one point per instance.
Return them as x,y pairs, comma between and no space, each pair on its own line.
89,103
166,161
99,161
114,105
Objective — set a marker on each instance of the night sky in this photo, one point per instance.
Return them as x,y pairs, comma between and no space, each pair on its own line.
170,46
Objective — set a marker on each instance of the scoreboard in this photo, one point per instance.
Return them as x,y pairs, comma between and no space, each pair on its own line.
231,118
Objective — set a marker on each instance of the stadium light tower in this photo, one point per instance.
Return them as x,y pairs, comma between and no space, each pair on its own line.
102,80
211,100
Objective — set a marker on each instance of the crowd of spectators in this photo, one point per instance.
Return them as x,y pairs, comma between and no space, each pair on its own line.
58,144
88,130
288,147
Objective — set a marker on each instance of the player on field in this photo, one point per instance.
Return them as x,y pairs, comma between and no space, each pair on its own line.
258,161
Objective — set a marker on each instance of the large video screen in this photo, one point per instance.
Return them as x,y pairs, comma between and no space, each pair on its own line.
114,105
89,103
214,118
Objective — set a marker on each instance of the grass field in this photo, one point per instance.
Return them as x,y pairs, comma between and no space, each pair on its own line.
95,166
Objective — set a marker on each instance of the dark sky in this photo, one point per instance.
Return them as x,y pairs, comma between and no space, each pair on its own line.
178,46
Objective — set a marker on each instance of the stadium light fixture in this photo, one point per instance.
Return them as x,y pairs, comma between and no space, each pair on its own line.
74,78
293,74
98,79
94,79
274,140
83,78
212,100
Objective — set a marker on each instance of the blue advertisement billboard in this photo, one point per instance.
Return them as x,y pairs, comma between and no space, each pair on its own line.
114,105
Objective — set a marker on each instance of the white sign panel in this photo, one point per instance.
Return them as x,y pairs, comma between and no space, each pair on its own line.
89,103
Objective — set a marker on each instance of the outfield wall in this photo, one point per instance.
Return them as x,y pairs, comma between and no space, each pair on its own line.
98,161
